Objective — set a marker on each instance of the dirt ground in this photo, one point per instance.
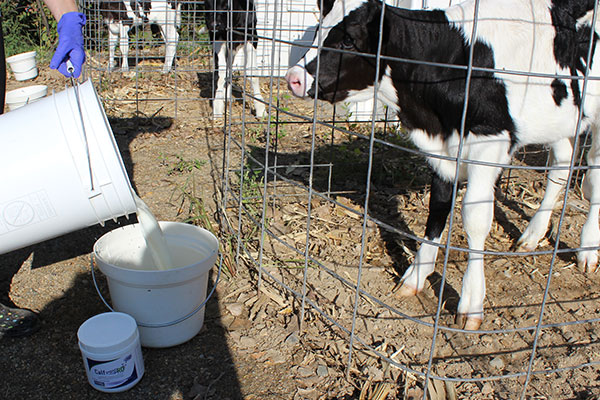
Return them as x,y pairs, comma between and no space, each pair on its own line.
255,344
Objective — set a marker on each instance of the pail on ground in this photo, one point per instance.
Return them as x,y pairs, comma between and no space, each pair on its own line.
56,178
26,95
111,351
23,65
167,304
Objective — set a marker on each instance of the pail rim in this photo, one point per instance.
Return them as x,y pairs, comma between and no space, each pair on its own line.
189,239
26,91
20,56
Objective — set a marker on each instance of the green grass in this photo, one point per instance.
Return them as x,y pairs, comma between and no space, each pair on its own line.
24,28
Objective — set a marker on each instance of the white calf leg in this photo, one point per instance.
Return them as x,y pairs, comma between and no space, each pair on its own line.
590,234
477,213
561,153
221,59
171,37
124,47
113,38
250,54
440,202
415,276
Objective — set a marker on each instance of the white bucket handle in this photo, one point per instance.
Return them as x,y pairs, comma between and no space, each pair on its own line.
165,324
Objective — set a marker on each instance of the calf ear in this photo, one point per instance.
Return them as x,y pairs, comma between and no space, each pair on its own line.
325,6
374,27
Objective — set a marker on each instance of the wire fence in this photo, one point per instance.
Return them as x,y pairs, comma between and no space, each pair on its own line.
327,205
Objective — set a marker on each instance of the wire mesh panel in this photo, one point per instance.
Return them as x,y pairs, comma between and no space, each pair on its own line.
328,203
330,211
156,53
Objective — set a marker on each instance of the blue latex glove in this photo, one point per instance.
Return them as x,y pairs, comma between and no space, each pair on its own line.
70,44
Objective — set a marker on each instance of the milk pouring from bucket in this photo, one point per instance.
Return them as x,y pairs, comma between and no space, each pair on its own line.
60,169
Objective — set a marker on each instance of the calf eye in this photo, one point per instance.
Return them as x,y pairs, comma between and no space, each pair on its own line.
347,42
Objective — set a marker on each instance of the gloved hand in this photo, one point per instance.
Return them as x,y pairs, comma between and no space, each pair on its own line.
70,44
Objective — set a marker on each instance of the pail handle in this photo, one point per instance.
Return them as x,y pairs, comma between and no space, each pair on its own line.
75,85
165,324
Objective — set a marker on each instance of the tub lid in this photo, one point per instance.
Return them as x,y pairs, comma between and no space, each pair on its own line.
107,333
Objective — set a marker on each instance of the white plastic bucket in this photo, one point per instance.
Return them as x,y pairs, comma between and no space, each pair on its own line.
49,184
23,65
111,351
167,304
26,95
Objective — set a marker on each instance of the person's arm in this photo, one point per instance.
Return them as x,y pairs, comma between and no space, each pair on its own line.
60,7
70,50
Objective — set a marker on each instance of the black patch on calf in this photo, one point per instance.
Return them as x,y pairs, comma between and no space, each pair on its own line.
440,202
235,25
115,11
571,45
559,91
327,6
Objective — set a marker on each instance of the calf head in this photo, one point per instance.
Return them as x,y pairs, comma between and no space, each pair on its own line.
344,52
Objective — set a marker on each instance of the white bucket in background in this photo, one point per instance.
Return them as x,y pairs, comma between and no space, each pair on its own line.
159,297
26,95
49,184
111,351
23,65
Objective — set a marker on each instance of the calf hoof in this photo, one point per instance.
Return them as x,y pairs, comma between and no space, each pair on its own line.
260,112
406,291
587,263
523,245
468,323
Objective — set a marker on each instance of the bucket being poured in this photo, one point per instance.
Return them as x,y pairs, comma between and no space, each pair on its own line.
56,176
167,304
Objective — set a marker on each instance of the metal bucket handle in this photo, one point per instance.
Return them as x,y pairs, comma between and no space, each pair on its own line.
165,324
75,85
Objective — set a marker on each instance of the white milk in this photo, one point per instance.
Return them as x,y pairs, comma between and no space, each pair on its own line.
153,235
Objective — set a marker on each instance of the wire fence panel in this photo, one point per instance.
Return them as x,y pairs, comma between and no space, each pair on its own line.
328,205
330,208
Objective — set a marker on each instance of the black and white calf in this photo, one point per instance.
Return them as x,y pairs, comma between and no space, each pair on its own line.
231,26
122,15
549,38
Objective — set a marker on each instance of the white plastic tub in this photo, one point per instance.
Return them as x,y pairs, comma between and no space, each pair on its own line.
26,95
111,351
23,65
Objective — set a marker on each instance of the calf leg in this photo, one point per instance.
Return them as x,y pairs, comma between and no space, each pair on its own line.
590,234
124,46
424,263
561,153
113,38
171,37
259,106
220,95
477,213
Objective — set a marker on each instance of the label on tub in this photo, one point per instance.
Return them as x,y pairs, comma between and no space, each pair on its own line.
114,373
25,210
